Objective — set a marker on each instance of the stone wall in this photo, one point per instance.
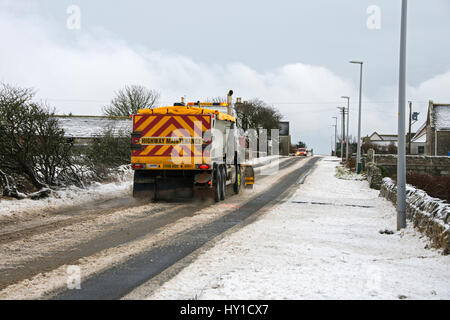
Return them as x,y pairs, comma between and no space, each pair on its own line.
443,142
443,145
439,165
430,146
374,175
430,215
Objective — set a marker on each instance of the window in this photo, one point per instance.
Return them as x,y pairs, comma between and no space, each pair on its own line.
421,149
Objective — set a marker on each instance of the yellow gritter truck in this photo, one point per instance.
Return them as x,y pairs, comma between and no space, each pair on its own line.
186,151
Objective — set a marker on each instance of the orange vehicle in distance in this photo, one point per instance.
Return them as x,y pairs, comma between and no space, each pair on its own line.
301,152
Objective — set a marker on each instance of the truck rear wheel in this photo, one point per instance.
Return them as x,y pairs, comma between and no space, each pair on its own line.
223,192
218,187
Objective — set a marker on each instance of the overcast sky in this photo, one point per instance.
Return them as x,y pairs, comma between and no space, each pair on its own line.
292,54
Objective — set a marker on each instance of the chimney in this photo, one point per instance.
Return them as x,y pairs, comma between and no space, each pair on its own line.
229,101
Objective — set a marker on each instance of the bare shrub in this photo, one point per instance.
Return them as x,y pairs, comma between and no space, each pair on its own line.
351,164
32,144
436,186
109,149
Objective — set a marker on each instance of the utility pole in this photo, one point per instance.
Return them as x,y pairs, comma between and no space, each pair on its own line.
342,131
343,134
401,157
335,135
348,126
409,135
358,151
331,144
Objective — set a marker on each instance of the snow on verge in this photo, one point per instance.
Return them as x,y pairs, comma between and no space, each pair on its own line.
347,174
71,196
322,243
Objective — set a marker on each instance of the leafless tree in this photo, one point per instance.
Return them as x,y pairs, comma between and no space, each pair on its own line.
32,144
258,114
130,99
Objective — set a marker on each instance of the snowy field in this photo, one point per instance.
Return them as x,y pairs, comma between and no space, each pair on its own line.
321,243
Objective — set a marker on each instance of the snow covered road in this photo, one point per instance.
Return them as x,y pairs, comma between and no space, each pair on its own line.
36,247
321,243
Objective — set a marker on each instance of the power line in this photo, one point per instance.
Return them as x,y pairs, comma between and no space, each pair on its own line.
277,102
75,100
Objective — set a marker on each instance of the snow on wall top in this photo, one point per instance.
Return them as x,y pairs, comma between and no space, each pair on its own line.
89,127
437,209
384,143
442,117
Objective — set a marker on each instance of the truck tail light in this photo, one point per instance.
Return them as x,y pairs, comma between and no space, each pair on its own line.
207,140
137,166
135,137
135,140
203,166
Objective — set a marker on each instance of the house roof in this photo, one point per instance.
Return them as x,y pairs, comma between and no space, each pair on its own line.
93,126
421,138
441,116
420,134
389,137
375,136
383,137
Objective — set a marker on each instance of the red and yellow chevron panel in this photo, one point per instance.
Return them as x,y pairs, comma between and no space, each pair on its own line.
168,138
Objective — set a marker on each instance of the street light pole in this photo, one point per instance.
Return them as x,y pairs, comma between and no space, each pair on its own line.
342,132
358,151
331,144
348,126
409,131
401,153
335,134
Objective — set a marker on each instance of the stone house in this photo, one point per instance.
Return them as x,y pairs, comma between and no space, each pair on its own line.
381,141
435,132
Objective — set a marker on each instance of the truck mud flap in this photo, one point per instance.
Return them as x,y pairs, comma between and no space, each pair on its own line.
249,177
204,192
174,189
143,186
144,191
